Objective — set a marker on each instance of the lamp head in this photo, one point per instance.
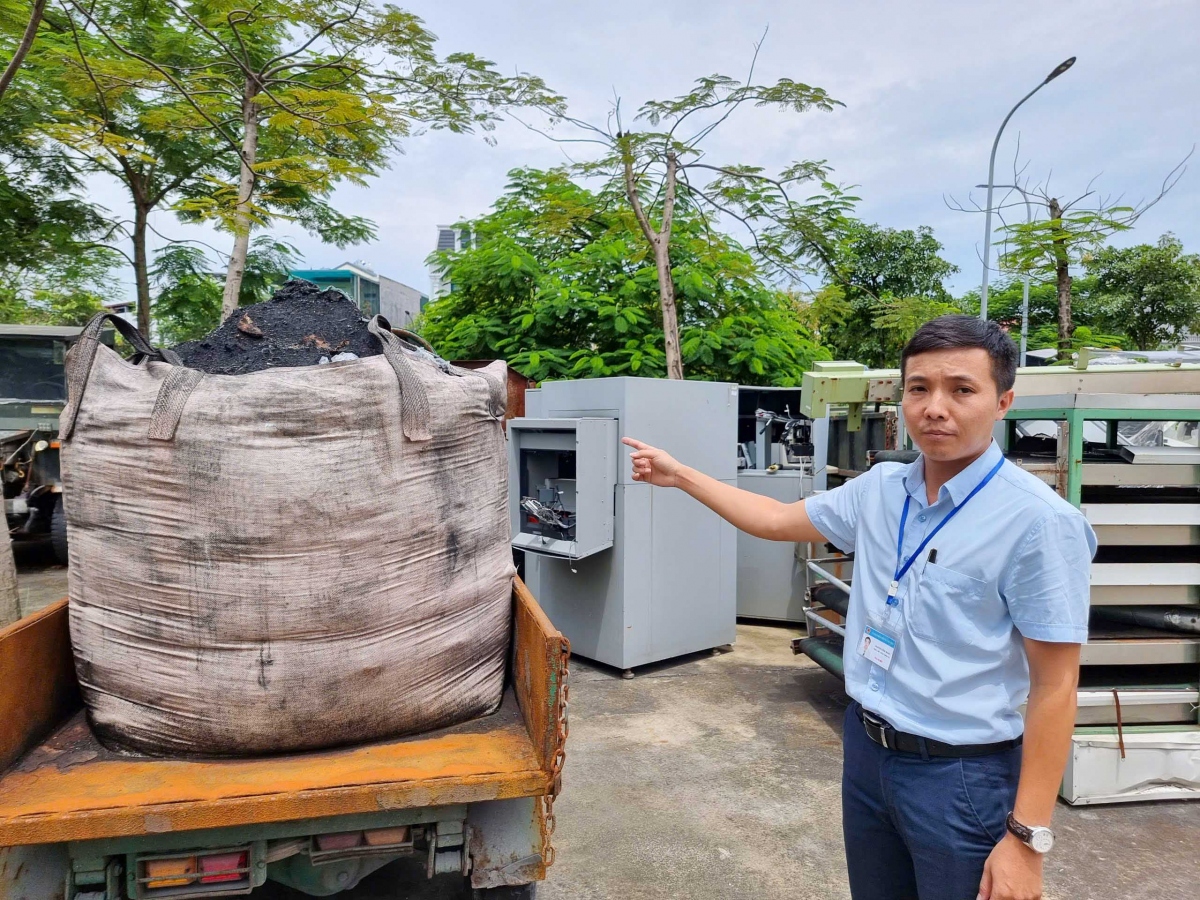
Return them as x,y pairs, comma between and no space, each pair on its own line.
1059,69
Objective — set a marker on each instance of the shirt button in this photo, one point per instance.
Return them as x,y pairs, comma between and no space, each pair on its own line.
874,685
921,518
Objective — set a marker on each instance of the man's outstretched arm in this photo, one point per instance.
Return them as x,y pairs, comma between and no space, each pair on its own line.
752,513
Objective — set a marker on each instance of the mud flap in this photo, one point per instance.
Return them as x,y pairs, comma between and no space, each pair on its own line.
36,872
505,842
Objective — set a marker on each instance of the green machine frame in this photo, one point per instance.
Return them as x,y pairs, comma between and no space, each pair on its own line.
1076,412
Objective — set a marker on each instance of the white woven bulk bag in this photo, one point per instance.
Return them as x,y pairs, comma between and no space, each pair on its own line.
288,559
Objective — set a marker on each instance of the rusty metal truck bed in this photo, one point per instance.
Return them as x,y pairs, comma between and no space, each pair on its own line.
60,784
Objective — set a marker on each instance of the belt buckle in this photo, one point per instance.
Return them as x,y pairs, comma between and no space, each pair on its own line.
877,729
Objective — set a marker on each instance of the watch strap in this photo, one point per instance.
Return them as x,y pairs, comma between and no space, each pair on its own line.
1023,833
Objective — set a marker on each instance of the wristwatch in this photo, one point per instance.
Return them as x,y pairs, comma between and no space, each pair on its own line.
1037,838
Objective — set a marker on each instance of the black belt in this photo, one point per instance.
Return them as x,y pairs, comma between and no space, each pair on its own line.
881,732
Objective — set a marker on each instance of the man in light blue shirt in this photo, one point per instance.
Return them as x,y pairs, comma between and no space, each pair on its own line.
969,598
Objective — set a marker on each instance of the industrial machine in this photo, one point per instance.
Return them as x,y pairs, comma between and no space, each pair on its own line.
630,574
776,448
1122,442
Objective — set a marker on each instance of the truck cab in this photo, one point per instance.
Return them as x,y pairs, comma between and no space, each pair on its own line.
33,391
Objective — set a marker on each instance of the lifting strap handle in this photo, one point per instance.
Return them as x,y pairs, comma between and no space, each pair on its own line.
497,389
82,355
414,402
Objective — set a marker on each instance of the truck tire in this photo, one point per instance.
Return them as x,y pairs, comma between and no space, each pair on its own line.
58,530
510,892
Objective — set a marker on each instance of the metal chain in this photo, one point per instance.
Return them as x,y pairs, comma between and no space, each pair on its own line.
563,728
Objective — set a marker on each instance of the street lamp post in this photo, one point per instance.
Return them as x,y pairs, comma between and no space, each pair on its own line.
1025,277
987,226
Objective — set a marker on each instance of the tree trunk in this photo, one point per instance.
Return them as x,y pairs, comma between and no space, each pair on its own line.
242,221
1063,279
10,595
141,264
10,71
666,296
660,244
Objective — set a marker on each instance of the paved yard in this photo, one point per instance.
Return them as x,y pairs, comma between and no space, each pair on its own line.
40,579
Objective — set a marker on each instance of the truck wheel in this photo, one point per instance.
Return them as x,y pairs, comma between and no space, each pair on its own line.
58,530
509,892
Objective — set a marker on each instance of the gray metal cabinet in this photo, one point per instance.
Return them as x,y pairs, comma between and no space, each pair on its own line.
771,575
668,584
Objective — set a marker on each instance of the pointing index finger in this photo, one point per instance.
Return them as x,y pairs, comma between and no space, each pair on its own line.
630,442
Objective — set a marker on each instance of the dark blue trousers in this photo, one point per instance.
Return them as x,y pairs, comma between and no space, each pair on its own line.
916,828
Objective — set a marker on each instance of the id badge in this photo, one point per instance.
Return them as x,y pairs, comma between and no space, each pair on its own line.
877,647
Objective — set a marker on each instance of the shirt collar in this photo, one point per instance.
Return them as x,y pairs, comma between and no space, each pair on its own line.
960,485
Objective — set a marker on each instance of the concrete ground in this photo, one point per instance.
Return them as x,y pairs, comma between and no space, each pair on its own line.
40,579
718,777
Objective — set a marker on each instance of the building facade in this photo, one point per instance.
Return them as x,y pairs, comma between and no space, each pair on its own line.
449,237
374,294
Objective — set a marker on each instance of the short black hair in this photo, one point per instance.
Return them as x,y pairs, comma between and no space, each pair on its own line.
963,333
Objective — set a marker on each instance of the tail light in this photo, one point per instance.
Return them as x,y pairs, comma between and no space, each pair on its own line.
223,867
169,873
386,837
179,875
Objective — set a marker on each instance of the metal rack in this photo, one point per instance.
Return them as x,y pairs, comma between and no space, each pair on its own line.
1137,729
1139,693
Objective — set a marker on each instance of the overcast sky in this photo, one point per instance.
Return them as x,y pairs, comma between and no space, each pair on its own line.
925,86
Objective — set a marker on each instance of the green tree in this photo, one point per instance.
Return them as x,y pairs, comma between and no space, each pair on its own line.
888,282
1150,292
49,234
657,162
112,116
559,280
188,305
63,291
1004,306
1047,249
309,94
1045,337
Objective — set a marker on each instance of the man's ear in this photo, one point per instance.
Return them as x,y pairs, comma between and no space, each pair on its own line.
1006,402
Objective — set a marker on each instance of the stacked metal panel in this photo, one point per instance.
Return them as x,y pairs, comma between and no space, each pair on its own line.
1131,463
1121,443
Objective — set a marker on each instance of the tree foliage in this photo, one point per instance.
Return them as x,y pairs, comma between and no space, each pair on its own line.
1047,249
888,282
13,60
232,113
63,290
112,118
1150,292
309,94
52,262
656,160
559,281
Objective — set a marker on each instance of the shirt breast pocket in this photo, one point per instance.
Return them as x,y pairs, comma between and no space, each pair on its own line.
948,607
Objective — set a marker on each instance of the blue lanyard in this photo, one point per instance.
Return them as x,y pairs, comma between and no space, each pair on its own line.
902,570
